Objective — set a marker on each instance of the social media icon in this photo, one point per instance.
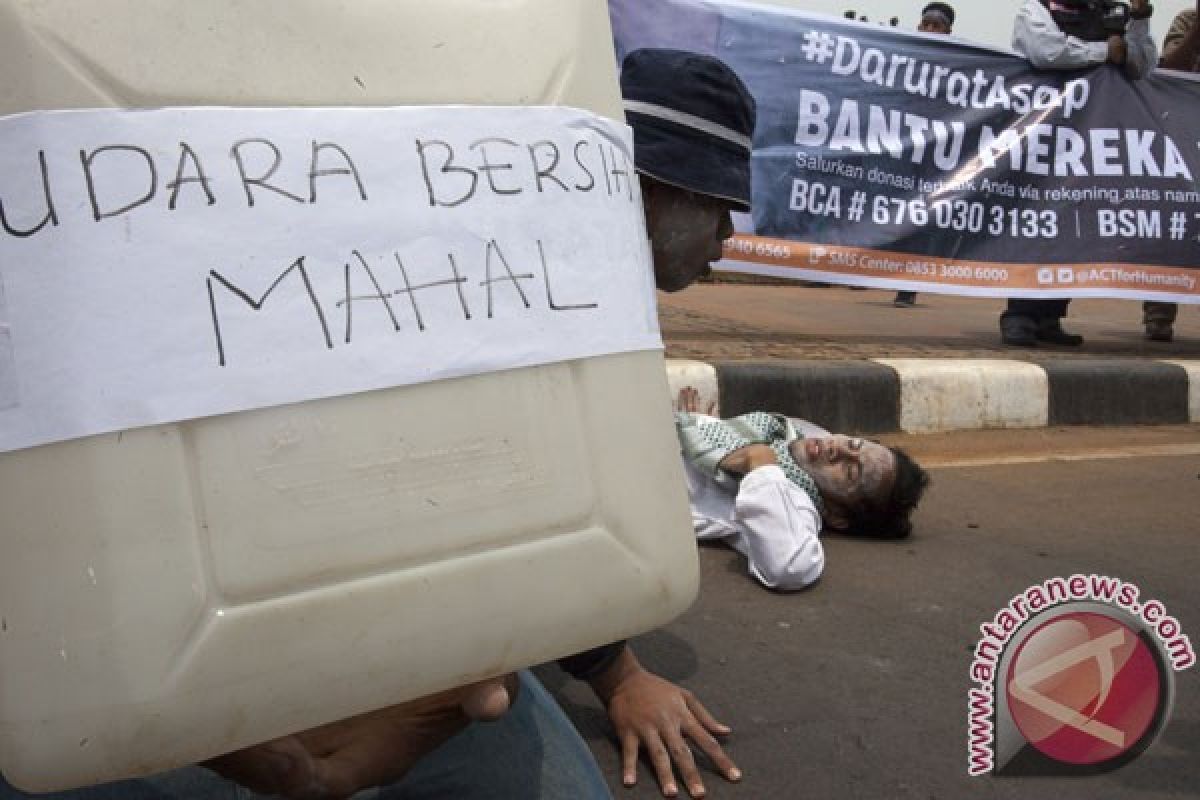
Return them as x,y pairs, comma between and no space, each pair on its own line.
1066,275
1045,275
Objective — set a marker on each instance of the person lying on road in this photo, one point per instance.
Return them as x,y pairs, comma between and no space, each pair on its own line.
767,486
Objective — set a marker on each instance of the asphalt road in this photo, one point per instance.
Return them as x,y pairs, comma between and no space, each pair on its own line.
857,688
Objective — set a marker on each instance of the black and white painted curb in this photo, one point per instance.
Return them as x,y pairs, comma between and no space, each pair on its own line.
938,394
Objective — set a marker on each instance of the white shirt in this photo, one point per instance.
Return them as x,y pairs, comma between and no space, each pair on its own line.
771,521
1038,38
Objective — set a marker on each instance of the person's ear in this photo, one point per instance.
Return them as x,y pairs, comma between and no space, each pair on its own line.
835,516
725,224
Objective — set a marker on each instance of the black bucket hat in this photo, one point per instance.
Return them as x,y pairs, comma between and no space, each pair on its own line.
692,120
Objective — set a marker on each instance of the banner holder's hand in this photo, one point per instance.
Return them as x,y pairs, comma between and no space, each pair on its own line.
337,760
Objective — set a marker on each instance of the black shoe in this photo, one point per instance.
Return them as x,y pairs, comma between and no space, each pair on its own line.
1159,332
1018,331
905,299
1051,331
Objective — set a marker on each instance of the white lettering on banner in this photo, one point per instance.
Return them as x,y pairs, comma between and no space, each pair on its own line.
1038,149
1107,152
172,264
935,81
1131,277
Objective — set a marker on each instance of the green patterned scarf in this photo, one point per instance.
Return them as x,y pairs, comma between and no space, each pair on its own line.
706,441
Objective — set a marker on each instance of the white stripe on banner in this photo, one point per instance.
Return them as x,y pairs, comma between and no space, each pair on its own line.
689,121
200,261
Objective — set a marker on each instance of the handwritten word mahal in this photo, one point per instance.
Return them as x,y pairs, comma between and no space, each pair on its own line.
117,179
398,293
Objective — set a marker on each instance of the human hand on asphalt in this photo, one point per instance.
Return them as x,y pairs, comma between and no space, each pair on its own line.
689,399
651,713
334,761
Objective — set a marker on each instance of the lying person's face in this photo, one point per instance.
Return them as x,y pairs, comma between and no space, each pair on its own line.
686,233
847,471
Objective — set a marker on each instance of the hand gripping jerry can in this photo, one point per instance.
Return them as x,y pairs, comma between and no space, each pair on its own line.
173,592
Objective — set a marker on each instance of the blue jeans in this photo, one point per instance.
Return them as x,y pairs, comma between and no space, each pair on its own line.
532,753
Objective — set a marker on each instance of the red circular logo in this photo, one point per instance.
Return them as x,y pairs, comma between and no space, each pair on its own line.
1084,688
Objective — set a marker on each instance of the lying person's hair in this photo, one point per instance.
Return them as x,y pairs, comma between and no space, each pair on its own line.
891,519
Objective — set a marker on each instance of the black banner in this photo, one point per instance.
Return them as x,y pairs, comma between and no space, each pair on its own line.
913,161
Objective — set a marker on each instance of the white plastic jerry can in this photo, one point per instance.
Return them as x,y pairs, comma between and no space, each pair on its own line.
172,592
